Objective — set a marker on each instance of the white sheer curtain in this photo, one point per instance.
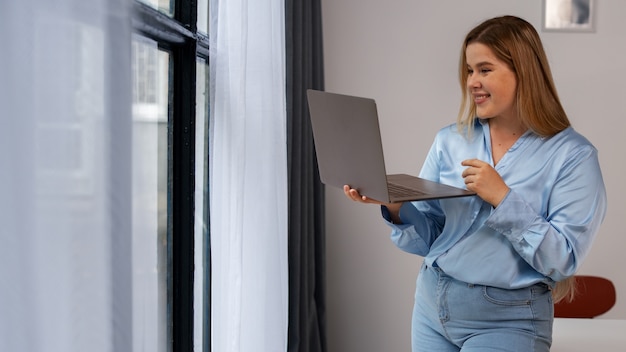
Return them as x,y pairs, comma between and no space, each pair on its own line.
64,185
248,177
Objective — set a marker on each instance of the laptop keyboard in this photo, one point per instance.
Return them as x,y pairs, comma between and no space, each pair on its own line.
401,191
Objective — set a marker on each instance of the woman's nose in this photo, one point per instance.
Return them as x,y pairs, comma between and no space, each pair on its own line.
472,81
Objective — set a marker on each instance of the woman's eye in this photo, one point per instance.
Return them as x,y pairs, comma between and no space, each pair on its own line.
485,70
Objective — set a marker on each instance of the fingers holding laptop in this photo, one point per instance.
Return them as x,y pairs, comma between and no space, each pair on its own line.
354,195
394,208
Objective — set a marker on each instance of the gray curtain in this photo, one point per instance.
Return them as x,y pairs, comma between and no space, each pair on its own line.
307,302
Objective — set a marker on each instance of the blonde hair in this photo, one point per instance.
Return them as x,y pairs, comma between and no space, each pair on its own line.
565,290
516,43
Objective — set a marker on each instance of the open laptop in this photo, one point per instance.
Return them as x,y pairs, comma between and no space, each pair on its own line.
350,152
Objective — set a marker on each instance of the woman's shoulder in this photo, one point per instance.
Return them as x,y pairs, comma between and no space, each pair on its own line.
569,137
570,145
465,133
448,129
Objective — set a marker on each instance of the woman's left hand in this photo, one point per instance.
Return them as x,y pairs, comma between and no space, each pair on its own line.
482,178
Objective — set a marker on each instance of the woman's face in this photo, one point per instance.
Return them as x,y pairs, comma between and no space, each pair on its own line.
491,83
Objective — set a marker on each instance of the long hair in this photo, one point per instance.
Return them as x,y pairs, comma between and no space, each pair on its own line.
516,43
565,290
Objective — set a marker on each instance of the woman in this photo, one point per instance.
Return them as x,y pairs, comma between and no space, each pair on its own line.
494,263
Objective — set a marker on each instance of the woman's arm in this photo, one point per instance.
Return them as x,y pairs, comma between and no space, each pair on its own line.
556,243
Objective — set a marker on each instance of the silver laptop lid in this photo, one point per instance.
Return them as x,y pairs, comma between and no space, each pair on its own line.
348,143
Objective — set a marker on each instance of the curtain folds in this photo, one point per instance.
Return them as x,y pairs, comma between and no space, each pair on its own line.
248,177
307,302
66,112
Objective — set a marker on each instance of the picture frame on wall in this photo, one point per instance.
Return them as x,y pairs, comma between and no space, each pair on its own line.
568,15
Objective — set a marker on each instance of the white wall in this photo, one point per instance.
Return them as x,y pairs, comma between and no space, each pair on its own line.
404,53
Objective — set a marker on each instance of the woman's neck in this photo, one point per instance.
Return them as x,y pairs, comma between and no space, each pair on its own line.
503,136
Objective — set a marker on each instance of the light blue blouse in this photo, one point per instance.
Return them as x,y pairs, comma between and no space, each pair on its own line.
540,232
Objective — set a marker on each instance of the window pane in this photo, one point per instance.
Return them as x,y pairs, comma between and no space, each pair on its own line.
150,197
201,217
164,6
203,16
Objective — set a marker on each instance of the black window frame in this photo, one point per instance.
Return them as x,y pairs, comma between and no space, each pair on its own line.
179,36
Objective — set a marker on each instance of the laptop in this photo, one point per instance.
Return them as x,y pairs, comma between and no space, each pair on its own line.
349,152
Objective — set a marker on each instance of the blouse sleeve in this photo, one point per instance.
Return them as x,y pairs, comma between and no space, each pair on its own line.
556,243
422,221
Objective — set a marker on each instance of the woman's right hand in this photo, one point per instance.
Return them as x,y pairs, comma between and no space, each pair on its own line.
354,195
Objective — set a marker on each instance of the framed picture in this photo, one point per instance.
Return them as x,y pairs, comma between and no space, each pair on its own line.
568,15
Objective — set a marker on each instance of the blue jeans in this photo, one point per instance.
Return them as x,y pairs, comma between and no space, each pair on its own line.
451,315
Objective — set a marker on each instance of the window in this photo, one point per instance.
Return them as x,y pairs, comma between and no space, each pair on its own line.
170,176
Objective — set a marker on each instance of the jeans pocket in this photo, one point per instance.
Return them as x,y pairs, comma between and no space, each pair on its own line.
508,297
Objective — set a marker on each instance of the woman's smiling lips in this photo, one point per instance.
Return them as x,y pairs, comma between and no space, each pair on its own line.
480,98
